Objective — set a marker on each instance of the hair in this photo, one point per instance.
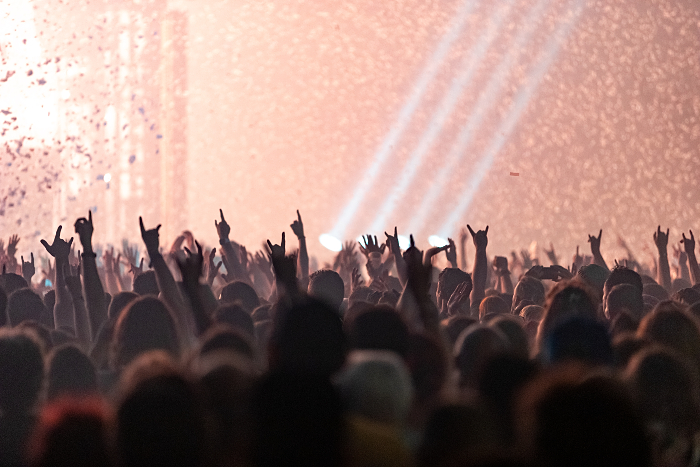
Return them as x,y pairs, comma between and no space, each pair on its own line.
666,388
670,325
528,288
494,305
24,304
223,337
624,297
162,421
622,275
73,432
241,293
566,300
119,302
70,372
376,384
146,324
3,307
657,291
449,279
594,276
378,328
532,313
235,316
427,361
328,286
146,284
454,326
687,296
297,420
475,347
581,339
22,370
513,328
10,282
308,337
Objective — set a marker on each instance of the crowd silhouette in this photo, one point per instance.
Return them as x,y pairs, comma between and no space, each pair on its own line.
191,356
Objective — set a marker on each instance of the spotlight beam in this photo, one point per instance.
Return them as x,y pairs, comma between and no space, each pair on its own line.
508,125
468,68
404,118
484,103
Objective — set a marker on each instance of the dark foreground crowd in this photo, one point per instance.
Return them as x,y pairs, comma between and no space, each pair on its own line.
221,357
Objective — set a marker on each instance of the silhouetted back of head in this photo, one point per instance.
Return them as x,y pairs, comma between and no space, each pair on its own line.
223,337
70,373
624,298
670,325
679,284
428,365
687,296
120,301
307,337
566,300
162,422
10,282
235,316
666,389
585,424
657,291
241,293
298,420
514,329
625,346
378,328
376,384
24,304
494,305
327,285
454,326
449,279
72,432
528,288
622,275
594,276
21,372
146,324
579,339
532,313
145,284
475,347
3,308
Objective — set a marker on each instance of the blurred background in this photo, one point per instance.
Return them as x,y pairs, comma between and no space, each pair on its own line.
545,119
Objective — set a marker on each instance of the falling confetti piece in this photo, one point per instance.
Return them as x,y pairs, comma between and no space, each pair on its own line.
514,174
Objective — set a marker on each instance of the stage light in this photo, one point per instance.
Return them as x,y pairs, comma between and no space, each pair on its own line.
404,118
468,68
404,242
65,94
107,177
437,241
330,242
508,125
485,102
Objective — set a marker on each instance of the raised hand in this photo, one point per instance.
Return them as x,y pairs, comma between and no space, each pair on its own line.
392,241
298,226
595,242
191,265
212,269
222,228
136,270
12,246
661,239
151,238
59,249
451,253
108,260
371,245
500,265
577,260
689,243
276,251
551,254
479,238
28,269
357,280
84,228
458,302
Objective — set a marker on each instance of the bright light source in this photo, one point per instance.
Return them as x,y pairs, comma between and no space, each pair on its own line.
330,242
436,241
404,242
65,94
107,177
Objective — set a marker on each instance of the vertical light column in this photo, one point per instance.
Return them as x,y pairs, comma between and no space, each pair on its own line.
173,121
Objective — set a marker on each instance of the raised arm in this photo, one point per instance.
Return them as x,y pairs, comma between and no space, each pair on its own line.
63,308
110,275
463,237
595,249
169,290
298,229
664,270
480,240
392,241
28,269
229,251
689,246
80,314
451,253
191,270
93,291
500,268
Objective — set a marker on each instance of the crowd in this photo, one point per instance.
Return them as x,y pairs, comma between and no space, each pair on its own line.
219,357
